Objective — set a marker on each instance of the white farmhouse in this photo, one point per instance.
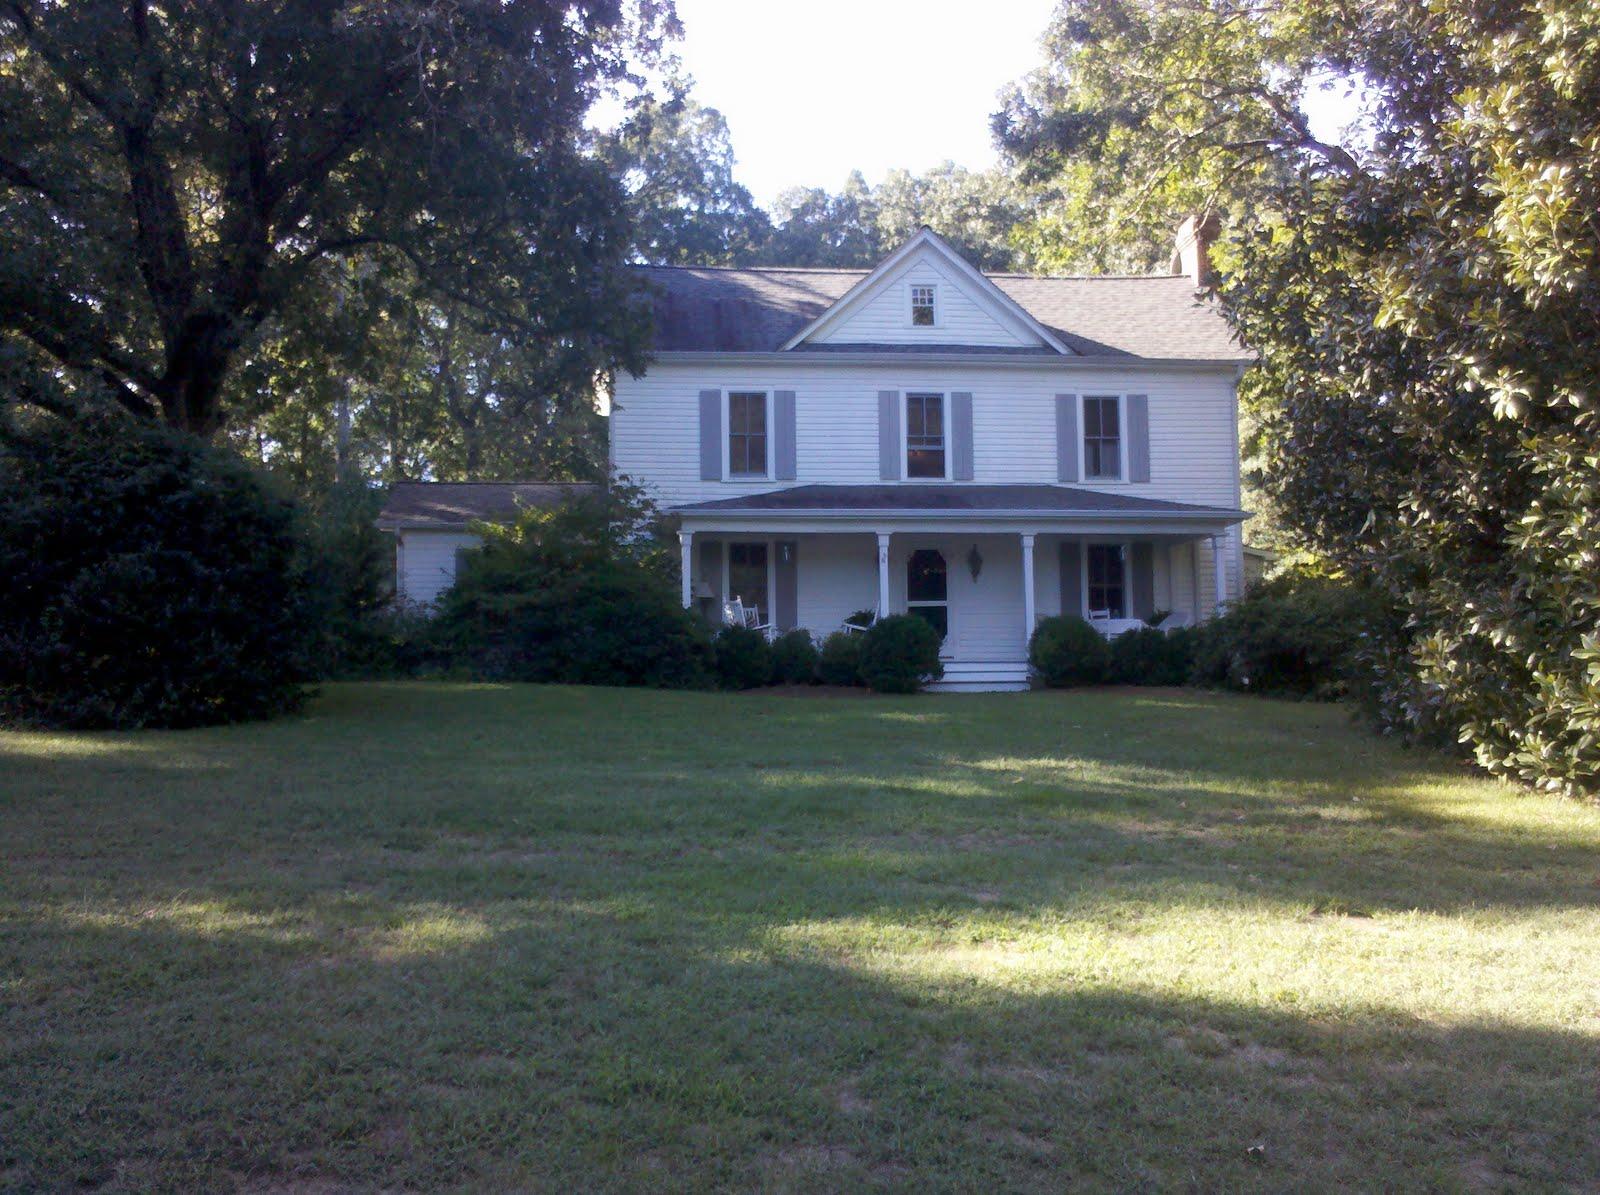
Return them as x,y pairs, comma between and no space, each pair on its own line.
982,450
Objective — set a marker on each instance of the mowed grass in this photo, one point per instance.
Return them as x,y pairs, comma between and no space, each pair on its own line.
570,939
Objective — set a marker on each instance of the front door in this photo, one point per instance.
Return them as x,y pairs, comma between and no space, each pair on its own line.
747,577
928,592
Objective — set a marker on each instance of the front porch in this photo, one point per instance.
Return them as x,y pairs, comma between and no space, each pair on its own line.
983,578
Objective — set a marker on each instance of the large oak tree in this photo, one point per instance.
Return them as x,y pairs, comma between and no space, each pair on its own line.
176,177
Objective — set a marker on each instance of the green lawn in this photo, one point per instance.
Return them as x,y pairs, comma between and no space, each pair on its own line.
440,935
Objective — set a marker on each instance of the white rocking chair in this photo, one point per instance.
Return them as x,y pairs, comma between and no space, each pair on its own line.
736,614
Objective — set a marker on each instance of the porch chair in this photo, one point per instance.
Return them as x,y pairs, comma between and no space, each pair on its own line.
736,614
857,628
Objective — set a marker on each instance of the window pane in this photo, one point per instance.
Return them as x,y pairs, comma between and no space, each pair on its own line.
747,433
925,462
747,574
926,579
922,306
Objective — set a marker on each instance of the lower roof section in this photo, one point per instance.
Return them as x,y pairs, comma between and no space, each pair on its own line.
958,502
451,505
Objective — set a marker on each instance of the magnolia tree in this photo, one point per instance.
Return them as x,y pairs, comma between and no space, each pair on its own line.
1425,301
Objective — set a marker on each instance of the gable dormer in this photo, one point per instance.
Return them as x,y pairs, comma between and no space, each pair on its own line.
925,293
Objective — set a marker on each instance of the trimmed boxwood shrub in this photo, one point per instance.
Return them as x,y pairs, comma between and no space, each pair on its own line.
1067,651
1151,656
150,580
794,658
743,658
840,660
899,654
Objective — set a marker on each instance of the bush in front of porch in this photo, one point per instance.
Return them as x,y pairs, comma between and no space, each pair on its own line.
1066,651
900,654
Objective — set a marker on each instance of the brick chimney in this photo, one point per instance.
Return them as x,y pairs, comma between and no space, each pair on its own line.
1191,252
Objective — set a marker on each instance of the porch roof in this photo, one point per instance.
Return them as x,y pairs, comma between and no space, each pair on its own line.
957,501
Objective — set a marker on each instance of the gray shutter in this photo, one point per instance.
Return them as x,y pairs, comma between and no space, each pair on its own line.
710,435
783,449
889,435
1071,577
1138,437
1144,581
1066,437
961,431
711,572
786,601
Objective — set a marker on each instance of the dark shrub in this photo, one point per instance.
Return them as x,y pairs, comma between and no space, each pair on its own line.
743,658
899,654
1293,635
840,660
794,659
348,567
1066,651
150,580
1148,656
576,595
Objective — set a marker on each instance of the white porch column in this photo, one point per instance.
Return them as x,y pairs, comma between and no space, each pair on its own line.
1219,572
1027,587
883,574
686,544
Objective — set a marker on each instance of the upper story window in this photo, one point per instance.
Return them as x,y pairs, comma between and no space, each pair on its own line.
925,439
1102,439
747,433
922,306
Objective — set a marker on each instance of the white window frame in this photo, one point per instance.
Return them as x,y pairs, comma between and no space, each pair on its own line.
727,433
905,434
1127,573
772,569
1122,439
911,290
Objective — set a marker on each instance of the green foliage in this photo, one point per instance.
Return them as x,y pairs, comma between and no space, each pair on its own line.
1066,651
183,182
1292,636
579,594
347,565
1150,656
1423,307
794,658
743,658
675,158
899,654
839,662
149,581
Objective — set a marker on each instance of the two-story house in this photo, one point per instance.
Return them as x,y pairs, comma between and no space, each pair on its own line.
982,450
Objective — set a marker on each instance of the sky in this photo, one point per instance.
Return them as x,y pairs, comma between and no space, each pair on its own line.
813,91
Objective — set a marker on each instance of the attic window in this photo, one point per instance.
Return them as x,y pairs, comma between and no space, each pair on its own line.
922,306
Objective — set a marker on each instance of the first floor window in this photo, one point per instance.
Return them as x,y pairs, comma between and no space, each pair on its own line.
1102,439
925,435
747,575
1106,587
928,589
747,434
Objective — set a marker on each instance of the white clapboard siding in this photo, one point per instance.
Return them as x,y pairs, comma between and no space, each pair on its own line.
655,426
884,314
426,562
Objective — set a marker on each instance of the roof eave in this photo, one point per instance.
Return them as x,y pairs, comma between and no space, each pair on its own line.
914,512
1005,361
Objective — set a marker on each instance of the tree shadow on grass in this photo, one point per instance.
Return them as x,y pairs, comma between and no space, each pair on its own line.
602,1050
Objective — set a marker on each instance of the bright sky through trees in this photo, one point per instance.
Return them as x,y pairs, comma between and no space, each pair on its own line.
812,92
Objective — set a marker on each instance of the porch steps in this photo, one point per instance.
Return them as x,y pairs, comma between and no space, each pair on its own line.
983,676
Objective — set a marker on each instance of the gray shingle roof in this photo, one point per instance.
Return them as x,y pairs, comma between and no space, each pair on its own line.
974,499
758,309
457,503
